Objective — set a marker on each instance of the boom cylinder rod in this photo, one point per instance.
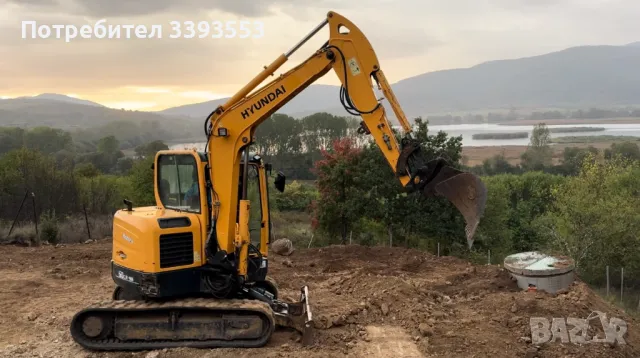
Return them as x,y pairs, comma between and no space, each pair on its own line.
245,173
269,70
306,38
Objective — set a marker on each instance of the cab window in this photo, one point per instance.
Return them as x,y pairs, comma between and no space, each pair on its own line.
178,182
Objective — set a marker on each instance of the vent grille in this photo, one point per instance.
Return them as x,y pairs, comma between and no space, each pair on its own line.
176,249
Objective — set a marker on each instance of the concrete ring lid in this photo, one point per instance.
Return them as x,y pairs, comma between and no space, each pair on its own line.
535,263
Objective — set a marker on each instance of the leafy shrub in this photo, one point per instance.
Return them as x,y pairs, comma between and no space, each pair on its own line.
296,197
49,231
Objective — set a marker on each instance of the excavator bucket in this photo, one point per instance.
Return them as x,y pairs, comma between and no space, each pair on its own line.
464,190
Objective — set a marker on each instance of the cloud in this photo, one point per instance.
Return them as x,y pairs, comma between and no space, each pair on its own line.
204,95
410,37
31,3
151,90
132,8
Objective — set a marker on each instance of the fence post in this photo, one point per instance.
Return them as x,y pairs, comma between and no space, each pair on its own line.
438,249
350,236
607,280
621,283
17,214
35,214
86,219
488,257
310,241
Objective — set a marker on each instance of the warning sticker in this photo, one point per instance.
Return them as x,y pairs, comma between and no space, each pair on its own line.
353,65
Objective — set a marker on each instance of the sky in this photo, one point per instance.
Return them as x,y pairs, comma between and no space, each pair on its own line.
410,37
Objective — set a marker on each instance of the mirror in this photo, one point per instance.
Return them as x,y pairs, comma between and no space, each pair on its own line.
280,181
129,204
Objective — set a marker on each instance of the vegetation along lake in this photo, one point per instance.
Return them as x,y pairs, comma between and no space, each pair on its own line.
468,130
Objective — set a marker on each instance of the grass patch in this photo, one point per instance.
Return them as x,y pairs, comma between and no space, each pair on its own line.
67,230
576,129
595,139
508,135
292,225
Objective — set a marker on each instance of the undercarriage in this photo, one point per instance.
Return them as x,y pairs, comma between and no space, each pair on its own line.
133,321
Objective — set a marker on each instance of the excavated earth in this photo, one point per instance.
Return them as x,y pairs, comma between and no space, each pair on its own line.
367,302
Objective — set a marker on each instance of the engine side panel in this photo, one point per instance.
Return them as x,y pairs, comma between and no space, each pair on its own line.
150,240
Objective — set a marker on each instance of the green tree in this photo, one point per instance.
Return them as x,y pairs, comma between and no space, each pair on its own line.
539,154
498,164
108,145
376,195
124,165
572,158
340,199
529,195
48,140
87,170
296,197
151,148
628,150
142,184
27,170
11,138
596,218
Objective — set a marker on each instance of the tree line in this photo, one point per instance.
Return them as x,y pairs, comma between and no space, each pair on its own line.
587,206
71,171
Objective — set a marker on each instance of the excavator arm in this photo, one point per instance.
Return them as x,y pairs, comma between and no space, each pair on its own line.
230,129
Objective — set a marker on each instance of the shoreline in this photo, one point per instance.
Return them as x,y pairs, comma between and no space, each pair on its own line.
564,121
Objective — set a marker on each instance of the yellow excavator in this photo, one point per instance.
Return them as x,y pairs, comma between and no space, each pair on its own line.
191,271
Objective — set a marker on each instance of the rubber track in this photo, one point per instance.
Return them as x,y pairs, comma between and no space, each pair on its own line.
111,344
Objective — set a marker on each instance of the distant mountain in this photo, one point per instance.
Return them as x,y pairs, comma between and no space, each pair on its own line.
63,98
313,99
577,77
28,112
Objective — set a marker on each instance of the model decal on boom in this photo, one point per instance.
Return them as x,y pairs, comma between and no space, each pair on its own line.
270,97
197,274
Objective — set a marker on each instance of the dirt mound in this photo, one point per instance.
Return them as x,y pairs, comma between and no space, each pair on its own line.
367,302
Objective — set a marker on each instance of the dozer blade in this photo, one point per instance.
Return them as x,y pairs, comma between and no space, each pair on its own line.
296,315
464,190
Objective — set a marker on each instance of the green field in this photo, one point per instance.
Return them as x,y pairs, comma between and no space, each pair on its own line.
500,135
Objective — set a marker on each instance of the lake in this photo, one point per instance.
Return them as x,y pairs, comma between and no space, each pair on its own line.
468,130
